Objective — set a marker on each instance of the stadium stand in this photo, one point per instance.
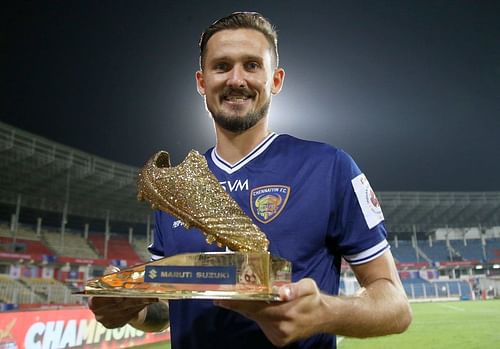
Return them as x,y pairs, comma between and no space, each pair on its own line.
421,289
118,247
49,290
469,249
451,250
72,245
493,250
404,252
437,252
140,245
22,232
24,246
13,292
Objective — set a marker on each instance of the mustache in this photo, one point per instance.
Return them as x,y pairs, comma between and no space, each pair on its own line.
239,91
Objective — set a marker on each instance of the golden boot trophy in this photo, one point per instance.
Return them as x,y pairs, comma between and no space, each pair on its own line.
191,193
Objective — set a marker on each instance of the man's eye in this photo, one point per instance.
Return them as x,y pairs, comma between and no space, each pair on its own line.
252,66
221,67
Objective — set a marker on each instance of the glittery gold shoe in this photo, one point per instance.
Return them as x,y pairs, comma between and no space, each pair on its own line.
191,193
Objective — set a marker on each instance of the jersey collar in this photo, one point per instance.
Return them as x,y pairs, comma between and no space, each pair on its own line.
259,149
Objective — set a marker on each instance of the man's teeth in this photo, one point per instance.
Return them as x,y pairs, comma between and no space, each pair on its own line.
236,98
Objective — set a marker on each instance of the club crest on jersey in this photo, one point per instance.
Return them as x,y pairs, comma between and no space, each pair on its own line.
267,202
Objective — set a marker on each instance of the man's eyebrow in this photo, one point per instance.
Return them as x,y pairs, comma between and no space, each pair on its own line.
220,58
229,59
253,58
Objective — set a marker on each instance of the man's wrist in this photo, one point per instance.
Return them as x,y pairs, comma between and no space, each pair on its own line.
138,320
153,318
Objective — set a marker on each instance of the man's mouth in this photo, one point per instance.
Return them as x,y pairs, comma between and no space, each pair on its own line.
235,99
236,95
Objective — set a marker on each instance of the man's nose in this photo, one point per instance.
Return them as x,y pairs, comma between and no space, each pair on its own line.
237,77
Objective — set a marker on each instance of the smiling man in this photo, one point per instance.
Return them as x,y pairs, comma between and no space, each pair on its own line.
238,76
311,200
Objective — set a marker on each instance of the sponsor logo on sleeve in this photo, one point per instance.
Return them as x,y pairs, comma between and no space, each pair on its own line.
267,202
370,206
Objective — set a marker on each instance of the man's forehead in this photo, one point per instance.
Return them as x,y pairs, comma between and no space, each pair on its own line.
233,38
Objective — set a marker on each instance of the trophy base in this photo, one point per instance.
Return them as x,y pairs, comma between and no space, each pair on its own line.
210,275
271,297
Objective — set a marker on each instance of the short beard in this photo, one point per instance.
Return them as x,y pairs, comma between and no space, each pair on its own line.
241,124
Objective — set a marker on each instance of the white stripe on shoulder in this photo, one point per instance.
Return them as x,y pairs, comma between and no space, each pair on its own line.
259,149
369,254
155,257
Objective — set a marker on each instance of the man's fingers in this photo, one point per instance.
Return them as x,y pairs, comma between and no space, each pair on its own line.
286,292
299,289
98,304
113,312
110,269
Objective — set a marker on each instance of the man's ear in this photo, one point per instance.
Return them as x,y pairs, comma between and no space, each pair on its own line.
200,82
278,79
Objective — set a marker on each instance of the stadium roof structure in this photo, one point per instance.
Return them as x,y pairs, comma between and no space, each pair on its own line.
40,174
426,211
48,176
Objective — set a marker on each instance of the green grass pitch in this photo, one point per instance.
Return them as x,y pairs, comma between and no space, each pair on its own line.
457,325
161,345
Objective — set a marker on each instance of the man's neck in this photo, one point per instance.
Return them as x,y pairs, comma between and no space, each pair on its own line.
233,147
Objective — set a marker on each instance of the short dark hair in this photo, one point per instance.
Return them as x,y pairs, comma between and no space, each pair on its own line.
241,20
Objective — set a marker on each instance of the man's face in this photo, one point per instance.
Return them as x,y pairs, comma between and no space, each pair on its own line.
238,78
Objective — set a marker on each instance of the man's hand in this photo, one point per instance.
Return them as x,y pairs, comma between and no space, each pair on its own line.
114,312
284,322
380,308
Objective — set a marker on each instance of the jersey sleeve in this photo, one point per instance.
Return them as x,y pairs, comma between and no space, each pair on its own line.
159,247
359,232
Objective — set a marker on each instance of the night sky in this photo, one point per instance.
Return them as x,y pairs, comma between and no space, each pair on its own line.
411,89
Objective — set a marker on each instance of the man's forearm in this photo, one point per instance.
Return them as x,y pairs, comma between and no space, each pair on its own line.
153,318
379,309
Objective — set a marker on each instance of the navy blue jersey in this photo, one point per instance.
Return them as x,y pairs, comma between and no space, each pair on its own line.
315,207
